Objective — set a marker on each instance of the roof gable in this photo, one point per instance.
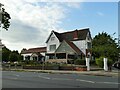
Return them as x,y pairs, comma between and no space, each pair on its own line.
64,48
56,34
69,47
75,48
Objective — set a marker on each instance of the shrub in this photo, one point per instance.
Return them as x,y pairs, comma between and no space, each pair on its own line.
51,64
110,62
79,62
92,62
100,63
13,57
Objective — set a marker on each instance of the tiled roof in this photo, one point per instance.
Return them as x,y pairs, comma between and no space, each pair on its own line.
74,47
59,36
34,50
72,35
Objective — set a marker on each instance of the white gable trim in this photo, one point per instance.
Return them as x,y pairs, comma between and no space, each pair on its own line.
49,36
52,32
88,36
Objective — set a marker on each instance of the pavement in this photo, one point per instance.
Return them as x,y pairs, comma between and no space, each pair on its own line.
112,73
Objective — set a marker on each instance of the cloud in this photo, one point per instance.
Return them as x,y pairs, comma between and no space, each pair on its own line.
100,13
74,4
32,22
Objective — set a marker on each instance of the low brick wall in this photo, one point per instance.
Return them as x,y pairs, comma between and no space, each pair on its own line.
80,69
66,68
75,68
32,67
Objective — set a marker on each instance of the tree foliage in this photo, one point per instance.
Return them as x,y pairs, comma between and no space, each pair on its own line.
100,63
8,55
5,54
4,18
104,45
13,57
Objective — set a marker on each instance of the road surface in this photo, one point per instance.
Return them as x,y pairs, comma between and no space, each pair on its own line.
12,79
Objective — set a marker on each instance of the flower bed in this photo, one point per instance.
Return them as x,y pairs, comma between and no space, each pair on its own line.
81,68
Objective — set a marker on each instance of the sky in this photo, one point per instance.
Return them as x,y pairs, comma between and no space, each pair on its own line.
33,20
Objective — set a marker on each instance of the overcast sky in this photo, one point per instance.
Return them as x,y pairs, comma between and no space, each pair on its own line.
32,20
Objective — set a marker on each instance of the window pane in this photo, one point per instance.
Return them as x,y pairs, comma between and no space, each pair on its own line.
52,38
52,47
89,45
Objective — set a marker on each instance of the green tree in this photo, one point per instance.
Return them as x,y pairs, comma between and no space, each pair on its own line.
5,54
4,18
104,45
20,58
100,63
13,56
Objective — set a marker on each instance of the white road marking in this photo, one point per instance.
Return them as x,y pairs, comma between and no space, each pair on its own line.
17,75
85,80
13,78
43,77
109,82
88,81
61,79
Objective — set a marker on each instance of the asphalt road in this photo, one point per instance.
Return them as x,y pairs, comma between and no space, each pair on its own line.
12,79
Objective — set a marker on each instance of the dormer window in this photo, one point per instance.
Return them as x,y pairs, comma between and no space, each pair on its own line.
52,38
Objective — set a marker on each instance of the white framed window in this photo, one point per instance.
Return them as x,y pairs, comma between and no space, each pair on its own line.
52,38
52,47
89,45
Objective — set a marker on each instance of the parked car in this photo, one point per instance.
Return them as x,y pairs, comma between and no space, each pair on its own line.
116,65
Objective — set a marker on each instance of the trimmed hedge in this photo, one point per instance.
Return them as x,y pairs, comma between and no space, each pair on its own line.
79,62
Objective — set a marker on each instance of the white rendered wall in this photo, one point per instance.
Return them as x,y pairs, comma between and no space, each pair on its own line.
81,44
55,41
24,55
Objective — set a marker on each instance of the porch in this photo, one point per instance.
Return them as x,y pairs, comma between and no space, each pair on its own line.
34,57
60,57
